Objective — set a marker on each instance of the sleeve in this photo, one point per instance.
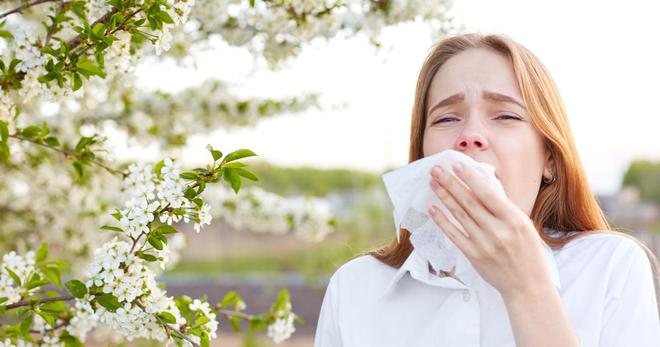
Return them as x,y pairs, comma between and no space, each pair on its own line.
327,329
630,315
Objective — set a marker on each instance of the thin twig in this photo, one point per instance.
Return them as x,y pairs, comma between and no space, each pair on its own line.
68,154
51,30
32,302
235,314
167,326
23,7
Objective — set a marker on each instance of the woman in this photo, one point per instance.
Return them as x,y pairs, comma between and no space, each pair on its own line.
492,99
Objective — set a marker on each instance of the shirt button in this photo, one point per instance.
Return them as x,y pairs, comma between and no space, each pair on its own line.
466,295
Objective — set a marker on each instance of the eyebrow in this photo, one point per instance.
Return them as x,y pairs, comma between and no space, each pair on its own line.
458,97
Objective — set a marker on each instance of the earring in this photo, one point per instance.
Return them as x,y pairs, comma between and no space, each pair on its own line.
552,179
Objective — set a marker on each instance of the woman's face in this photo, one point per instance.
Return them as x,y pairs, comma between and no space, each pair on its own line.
475,107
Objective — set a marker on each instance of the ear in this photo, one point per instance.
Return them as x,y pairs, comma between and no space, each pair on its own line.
548,170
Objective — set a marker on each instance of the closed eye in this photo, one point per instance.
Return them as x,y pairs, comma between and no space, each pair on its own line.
442,120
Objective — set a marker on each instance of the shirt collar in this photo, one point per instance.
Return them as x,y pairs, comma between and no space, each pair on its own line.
418,269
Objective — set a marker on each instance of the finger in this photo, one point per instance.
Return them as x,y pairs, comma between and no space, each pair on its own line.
461,240
490,198
470,227
464,197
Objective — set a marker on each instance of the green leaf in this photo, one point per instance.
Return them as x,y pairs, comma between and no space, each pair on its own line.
156,243
88,68
98,29
238,154
26,324
247,174
109,301
6,34
77,81
215,153
54,307
4,152
235,323
189,175
4,131
52,141
42,252
36,281
231,299
231,176
164,17
165,229
111,228
204,339
31,132
158,167
47,317
53,274
235,164
167,317
14,276
76,288
147,256
83,142
79,169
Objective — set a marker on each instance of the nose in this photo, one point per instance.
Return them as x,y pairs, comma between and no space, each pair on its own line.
471,141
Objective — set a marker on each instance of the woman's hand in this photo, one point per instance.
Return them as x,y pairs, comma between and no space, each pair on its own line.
503,244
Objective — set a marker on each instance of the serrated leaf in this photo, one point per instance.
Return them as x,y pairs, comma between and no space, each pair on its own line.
76,288
189,176
247,174
54,307
167,317
111,228
26,324
165,229
109,301
53,274
238,154
31,132
231,176
155,242
47,317
14,276
147,256
36,281
52,141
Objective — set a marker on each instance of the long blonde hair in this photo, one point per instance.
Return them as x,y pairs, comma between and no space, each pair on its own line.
565,205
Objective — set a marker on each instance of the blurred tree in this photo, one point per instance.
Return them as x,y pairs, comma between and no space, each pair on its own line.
645,176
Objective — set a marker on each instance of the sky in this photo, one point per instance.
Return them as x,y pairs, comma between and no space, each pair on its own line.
602,56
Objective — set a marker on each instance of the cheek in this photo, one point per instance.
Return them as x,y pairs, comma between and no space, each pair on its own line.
434,143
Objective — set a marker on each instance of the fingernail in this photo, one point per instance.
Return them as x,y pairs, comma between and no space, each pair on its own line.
434,184
437,171
458,167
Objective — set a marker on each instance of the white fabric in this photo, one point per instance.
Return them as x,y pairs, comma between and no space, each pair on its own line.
606,288
410,193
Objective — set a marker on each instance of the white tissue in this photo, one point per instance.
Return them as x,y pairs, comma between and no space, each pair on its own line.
411,195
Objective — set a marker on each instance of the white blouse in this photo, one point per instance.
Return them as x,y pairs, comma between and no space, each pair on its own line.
605,282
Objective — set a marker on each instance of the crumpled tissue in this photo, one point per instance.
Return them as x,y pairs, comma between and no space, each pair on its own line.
408,188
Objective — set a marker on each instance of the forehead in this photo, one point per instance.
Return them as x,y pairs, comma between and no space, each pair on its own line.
471,72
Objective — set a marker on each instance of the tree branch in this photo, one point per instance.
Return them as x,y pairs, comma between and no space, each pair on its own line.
68,154
25,6
31,302
168,327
